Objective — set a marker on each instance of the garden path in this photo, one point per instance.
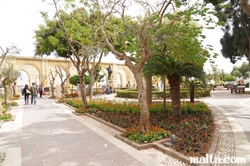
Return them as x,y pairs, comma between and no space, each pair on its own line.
50,134
236,110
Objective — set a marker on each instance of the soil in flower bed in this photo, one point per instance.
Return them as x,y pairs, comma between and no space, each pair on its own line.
194,133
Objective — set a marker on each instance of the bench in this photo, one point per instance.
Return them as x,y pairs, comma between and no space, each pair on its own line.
219,87
238,89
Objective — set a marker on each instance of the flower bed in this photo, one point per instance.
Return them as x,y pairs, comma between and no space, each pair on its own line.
194,133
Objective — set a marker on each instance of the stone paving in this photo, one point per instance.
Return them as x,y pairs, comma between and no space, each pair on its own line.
233,116
49,134
226,142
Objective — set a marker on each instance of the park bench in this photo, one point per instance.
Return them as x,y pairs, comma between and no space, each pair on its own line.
238,89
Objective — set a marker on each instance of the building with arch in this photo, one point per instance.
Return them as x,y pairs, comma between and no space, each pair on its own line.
36,69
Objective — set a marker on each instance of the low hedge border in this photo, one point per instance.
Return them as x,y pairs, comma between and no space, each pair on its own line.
159,95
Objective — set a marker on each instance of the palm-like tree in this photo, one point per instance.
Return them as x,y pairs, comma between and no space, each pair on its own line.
173,69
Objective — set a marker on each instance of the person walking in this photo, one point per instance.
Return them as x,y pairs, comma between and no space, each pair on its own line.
26,92
41,91
34,92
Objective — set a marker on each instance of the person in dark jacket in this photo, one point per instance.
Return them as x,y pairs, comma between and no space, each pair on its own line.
41,91
26,92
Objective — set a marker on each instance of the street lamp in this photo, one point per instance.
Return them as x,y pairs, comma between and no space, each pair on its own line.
191,79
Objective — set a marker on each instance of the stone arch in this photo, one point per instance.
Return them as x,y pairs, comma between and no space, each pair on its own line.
33,72
30,64
105,72
123,77
24,77
22,80
42,66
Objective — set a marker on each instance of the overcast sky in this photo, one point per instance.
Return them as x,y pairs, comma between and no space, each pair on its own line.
19,19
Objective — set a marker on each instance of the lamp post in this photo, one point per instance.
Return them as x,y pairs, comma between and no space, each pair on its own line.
191,89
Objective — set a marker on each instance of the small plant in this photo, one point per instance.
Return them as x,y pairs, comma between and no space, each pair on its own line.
4,108
155,133
71,95
13,103
88,110
5,116
61,101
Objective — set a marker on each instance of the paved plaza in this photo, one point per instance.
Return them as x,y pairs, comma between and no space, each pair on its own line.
49,134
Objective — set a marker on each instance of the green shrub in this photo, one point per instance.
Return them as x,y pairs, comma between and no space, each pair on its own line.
133,107
71,95
5,116
74,103
13,103
155,133
184,93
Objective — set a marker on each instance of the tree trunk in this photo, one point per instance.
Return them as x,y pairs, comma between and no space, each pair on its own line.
191,93
10,93
13,89
62,90
144,119
83,92
174,82
5,94
245,6
164,94
52,91
149,89
90,90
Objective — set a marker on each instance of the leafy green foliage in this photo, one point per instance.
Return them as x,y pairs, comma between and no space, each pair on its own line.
127,108
71,95
155,133
159,95
5,116
235,43
229,78
13,103
74,80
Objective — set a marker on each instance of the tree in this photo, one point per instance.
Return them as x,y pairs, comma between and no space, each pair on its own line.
235,41
93,73
237,73
9,50
244,4
174,69
75,80
214,74
63,79
180,45
243,70
131,36
198,80
9,76
229,78
42,79
71,35
52,77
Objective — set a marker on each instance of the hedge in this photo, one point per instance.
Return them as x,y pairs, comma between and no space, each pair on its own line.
159,95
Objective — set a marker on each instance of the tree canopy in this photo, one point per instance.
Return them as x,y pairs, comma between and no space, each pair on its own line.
235,41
